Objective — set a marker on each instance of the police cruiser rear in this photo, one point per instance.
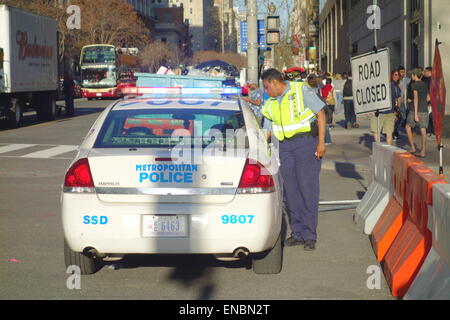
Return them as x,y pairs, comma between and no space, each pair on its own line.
173,175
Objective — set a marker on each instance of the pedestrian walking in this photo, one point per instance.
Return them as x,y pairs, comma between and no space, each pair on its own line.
349,107
328,94
338,83
418,112
403,84
387,118
298,122
68,88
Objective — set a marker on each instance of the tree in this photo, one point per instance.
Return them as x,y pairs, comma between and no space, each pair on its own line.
111,22
156,54
102,21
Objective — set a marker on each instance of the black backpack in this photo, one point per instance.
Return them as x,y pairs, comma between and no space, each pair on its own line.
348,92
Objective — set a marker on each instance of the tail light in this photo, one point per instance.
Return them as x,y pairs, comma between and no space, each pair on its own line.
79,178
255,179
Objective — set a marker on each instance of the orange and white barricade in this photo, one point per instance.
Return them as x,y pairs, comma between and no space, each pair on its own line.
380,190
393,216
433,280
407,253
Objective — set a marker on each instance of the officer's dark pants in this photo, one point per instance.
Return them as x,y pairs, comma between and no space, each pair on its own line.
300,171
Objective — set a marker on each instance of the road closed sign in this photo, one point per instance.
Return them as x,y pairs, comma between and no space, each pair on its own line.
371,82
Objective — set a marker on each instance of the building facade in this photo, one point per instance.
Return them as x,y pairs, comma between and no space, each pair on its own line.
196,15
409,28
171,27
227,17
334,36
199,14
362,39
305,35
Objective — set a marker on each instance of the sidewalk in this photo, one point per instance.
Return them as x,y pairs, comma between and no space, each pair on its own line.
351,148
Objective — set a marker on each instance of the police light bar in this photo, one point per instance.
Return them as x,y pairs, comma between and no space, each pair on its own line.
178,91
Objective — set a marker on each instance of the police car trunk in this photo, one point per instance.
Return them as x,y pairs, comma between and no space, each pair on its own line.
171,176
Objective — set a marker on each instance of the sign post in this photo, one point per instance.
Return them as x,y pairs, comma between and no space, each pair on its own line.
371,83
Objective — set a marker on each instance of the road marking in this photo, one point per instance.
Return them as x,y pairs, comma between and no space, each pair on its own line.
14,147
48,153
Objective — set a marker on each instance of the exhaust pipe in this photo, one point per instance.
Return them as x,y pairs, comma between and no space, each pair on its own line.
241,253
91,253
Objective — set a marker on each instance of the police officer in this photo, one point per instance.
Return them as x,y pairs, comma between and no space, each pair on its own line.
298,122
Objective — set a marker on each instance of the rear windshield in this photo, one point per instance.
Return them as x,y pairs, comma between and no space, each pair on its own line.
166,128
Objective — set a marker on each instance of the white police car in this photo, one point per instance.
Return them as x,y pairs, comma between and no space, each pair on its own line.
173,175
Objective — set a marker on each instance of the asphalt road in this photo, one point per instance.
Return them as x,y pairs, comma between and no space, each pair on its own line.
31,237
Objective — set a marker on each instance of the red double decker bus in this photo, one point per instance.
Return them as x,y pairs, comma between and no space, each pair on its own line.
105,70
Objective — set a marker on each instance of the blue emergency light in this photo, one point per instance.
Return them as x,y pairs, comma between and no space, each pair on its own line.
174,91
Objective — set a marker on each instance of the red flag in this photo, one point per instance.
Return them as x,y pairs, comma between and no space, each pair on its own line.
438,94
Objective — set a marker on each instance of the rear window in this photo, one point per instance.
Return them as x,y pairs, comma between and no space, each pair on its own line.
166,128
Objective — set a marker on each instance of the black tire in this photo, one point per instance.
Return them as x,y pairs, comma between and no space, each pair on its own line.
50,106
45,105
15,114
86,264
270,261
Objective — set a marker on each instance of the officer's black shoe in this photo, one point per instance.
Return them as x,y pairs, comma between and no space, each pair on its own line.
310,245
291,241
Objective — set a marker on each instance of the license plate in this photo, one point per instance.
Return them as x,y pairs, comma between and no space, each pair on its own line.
164,226
99,94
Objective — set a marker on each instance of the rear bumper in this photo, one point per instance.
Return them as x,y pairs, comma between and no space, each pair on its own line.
107,94
122,229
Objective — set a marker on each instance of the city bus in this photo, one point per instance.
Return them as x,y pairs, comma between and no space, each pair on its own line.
105,70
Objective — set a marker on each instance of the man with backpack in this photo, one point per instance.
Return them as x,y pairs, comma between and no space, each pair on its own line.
349,107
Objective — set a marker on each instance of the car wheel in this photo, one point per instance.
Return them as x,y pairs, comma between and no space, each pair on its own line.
270,261
86,264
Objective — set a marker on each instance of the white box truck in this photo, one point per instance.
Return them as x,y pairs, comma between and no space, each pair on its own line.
28,65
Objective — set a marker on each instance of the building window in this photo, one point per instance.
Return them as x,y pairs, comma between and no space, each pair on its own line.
190,10
415,32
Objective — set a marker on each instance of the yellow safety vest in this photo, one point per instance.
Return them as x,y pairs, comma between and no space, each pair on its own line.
290,117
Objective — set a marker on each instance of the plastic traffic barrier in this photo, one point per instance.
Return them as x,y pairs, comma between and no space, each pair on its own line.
433,279
371,174
393,216
377,196
402,161
387,228
413,243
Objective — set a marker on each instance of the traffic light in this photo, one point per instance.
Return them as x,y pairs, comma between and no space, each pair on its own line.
273,30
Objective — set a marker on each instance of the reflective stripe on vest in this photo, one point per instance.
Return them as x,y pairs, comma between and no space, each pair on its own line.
288,118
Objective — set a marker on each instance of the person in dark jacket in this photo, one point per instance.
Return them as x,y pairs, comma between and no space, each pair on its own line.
349,107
